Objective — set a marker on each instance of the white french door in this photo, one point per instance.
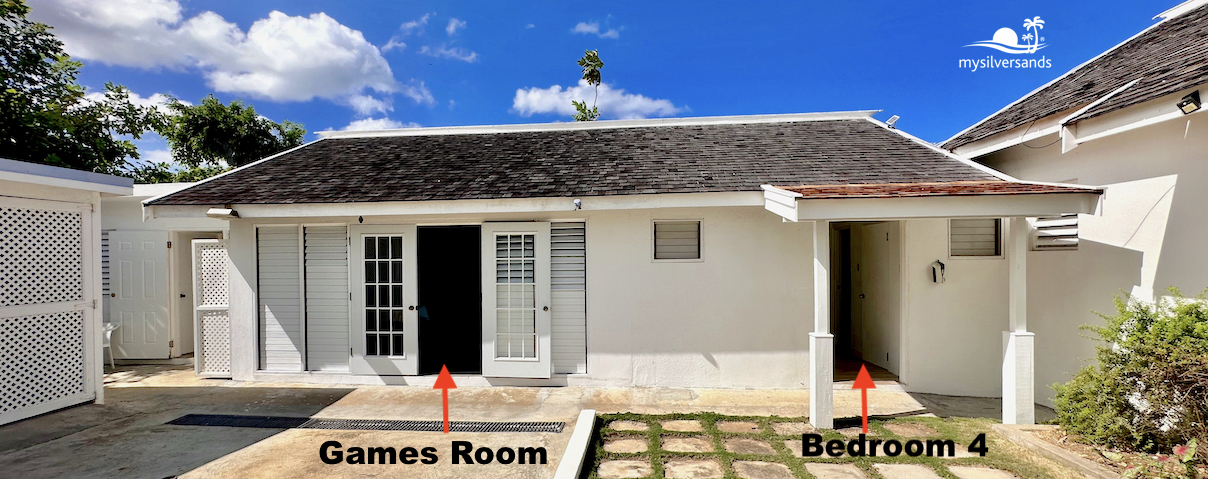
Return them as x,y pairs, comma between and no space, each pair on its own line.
516,300
385,323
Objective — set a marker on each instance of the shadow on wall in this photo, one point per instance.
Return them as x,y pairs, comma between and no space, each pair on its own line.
126,437
1065,290
1183,262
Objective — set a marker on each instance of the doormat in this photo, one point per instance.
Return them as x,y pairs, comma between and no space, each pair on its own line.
286,422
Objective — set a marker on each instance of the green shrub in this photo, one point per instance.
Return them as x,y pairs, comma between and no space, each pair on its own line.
1149,390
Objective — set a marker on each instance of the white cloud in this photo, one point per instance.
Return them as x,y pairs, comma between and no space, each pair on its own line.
593,28
281,57
393,44
368,105
159,101
415,26
454,25
419,93
155,156
530,26
455,53
378,124
613,102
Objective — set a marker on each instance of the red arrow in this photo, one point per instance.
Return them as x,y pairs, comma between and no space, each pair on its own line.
444,383
864,383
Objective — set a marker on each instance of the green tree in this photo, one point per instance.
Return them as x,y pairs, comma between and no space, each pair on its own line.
172,173
591,65
44,114
214,134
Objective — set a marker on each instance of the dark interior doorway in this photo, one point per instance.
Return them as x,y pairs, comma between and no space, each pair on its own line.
450,298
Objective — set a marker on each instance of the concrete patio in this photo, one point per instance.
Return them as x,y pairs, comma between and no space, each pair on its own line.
128,437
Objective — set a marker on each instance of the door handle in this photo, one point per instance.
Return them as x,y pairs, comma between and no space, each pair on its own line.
412,307
545,308
861,295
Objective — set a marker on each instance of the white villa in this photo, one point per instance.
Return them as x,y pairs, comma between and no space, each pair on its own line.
731,252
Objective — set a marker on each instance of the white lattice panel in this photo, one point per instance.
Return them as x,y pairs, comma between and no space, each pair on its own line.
215,342
40,256
212,274
41,360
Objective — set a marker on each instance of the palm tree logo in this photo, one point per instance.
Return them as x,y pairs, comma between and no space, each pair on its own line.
1034,24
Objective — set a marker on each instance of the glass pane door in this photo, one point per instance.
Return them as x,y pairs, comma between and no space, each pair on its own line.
384,290
516,295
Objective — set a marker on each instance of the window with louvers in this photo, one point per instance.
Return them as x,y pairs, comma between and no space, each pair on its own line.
677,240
1055,233
975,237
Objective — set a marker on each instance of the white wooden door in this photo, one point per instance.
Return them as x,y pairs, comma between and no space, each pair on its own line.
138,262
211,307
385,322
882,290
516,300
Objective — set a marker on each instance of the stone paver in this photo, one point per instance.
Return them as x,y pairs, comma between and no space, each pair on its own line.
629,426
905,471
686,425
792,428
966,472
762,470
742,445
911,430
626,445
739,426
693,469
834,471
624,469
856,431
794,446
687,444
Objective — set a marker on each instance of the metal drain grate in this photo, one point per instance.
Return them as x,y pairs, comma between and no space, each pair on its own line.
283,422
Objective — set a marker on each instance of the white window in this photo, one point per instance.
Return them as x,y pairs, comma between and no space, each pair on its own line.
975,237
677,240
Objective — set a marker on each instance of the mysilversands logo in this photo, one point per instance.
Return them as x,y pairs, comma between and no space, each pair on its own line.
1007,41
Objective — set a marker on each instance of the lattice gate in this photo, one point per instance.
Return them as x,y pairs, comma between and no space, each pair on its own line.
44,310
211,306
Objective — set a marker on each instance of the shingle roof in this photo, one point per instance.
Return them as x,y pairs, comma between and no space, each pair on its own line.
956,188
1170,57
593,162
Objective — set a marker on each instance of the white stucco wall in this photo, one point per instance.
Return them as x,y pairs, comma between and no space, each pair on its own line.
739,318
1149,236
951,331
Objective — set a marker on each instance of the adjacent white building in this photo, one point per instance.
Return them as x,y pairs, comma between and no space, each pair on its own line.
701,252
1131,121
50,287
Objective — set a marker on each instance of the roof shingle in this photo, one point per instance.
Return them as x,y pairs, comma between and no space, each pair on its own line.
573,163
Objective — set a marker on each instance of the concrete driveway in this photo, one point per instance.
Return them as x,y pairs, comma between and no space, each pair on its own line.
128,437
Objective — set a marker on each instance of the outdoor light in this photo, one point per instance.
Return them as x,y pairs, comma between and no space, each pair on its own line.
578,204
892,120
222,213
1190,103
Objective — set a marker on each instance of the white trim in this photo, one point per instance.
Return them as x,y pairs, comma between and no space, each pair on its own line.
449,207
40,174
602,125
572,459
870,209
1180,9
1046,85
1068,139
780,201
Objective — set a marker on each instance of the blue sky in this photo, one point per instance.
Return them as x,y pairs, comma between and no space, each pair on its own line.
336,64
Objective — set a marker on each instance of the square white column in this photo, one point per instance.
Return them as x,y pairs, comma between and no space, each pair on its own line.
1018,360
822,343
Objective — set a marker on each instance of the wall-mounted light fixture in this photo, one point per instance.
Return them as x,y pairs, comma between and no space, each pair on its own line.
578,204
1190,103
222,213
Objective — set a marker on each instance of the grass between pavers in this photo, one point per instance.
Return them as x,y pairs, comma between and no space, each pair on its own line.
1002,454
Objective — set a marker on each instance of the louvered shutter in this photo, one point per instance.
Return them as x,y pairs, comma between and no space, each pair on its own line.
279,278
326,298
1055,233
975,237
677,240
568,276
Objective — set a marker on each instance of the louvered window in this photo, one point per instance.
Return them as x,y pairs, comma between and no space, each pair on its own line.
1055,233
568,308
677,240
975,237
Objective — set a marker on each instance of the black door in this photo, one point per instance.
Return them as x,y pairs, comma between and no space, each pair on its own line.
450,299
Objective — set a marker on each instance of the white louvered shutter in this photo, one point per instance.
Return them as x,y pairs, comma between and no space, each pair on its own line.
279,278
568,310
975,237
677,240
327,298
1055,233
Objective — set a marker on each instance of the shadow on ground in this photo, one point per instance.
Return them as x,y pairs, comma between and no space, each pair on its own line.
960,406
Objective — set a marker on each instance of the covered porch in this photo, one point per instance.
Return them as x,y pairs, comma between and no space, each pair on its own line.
968,337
